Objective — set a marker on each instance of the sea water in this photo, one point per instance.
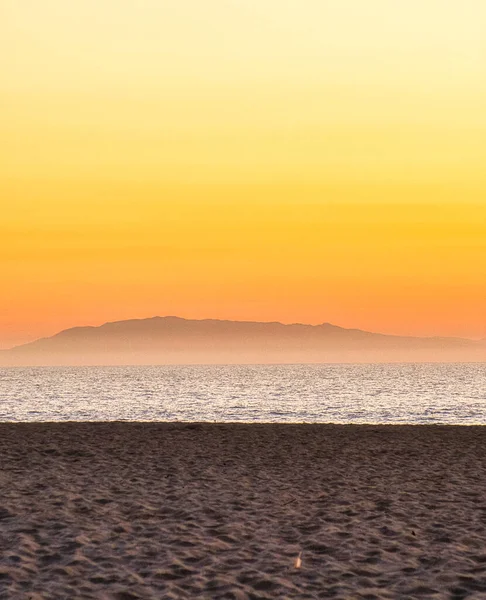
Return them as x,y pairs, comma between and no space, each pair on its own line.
377,393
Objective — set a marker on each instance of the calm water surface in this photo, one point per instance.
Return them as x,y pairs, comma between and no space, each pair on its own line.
384,393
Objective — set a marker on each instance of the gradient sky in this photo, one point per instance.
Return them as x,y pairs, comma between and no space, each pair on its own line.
292,160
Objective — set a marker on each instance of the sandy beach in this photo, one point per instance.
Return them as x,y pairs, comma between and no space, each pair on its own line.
129,510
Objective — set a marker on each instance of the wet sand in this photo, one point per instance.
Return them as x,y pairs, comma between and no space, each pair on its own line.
130,510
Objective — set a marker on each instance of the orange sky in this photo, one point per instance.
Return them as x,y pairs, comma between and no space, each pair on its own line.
295,161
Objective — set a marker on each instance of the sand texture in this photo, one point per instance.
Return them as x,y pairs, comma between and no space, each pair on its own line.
129,510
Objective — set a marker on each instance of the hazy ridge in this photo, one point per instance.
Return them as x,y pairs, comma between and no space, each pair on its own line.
174,340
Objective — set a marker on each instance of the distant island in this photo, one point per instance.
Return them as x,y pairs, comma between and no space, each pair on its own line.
174,340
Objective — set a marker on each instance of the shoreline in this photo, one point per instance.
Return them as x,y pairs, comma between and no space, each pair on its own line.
243,423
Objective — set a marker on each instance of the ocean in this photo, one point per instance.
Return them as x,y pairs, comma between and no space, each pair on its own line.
377,393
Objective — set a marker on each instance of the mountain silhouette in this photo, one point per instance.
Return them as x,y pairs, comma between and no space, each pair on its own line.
174,340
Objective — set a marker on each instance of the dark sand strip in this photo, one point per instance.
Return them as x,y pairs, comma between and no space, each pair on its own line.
131,510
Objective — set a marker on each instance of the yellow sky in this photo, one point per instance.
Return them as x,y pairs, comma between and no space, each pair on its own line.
294,160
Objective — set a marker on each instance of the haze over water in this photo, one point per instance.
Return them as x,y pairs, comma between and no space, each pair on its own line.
378,393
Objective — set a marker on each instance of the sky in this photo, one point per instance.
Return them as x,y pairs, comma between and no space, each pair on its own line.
294,160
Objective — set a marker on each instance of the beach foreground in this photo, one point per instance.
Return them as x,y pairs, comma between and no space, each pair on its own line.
146,510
